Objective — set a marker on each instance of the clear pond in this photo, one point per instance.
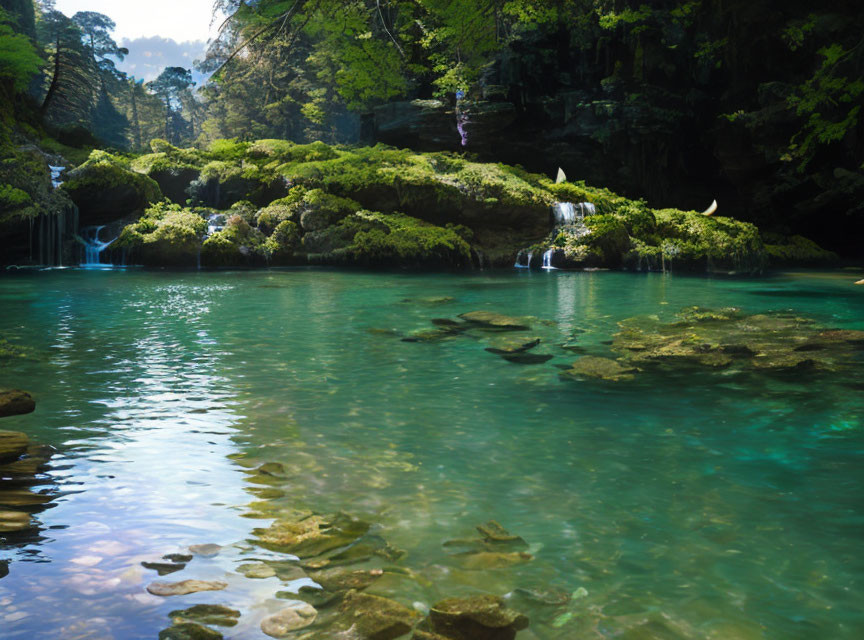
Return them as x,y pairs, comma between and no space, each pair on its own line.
677,505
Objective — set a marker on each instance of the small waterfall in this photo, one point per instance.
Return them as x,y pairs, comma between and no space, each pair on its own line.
547,259
55,175
93,247
527,264
567,213
215,222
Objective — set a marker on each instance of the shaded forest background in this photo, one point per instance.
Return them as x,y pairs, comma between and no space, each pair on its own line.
754,102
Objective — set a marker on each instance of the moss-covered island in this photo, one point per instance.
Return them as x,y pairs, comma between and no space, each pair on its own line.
277,203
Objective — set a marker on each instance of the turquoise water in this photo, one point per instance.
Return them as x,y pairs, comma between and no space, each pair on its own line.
689,506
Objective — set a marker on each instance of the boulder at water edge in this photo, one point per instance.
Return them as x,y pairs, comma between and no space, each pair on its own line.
15,402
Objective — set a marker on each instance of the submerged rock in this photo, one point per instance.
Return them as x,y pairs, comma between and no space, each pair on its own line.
13,445
342,579
12,521
208,550
602,368
189,631
163,568
528,358
184,587
511,345
315,596
288,620
15,402
494,533
483,617
706,338
493,560
375,618
492,320
548,597
257,570
215,614
311,535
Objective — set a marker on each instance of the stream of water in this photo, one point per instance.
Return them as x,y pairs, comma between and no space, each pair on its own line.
673,507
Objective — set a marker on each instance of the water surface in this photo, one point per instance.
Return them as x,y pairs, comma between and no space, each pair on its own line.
685,506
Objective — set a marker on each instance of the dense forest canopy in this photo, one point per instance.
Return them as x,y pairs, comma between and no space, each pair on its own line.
757,103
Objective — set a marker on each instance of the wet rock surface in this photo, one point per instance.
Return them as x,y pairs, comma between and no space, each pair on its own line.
288,620
729,338
189,631
372,617
602,368
185,587
14,402
206,614
310,535
13,445
493,320
482,617
207,550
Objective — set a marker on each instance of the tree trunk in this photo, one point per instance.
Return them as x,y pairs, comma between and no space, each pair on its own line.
55,79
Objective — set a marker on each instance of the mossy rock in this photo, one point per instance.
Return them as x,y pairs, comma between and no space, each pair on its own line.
481,617
105,189
189,631
397,239
224,182
238,244
784,251
166,234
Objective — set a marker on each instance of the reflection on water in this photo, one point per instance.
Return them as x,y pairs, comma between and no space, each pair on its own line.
672,507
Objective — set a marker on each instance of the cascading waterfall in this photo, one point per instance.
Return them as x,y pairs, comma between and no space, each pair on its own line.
55,175
568,217
215,222
93,248
528,256
567,213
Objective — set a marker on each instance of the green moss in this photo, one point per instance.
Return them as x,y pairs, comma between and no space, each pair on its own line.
280,246
245,210
167,234
104,172
228,150
13,198
408,240
797,250
609,237
278,211
283,151
237,244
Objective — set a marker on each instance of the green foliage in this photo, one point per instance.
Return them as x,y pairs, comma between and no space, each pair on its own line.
830,101
19,60
611,20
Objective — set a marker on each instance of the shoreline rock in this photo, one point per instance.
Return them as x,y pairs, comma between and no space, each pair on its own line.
14,402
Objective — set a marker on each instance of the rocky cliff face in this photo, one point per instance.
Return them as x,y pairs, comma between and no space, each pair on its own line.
678,108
